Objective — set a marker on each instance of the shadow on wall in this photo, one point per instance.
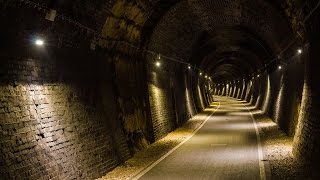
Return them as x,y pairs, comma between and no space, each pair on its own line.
58,108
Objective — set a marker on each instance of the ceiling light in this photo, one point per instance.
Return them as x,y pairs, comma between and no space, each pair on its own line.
39,42
299,51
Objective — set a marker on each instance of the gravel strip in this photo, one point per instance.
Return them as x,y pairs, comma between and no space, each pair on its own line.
278,148
155,151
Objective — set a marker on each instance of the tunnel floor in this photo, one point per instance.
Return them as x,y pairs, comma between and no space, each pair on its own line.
225,146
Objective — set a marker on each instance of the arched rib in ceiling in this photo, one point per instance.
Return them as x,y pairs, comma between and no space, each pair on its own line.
235,71
222,76
205,32
244,66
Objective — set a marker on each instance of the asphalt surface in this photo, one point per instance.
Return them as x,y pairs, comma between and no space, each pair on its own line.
226,147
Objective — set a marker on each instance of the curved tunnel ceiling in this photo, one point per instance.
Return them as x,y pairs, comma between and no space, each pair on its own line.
225,38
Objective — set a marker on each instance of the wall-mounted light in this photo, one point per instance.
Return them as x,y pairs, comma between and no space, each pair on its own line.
159,56
279,67
189,67
39,42
158,64
206,76
299,51
200,73
51,15
258,75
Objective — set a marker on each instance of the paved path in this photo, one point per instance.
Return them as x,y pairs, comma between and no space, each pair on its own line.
226,147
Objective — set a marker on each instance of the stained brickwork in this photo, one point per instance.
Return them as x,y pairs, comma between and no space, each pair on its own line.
50,129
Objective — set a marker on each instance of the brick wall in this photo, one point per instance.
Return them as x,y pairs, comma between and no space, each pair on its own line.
306,140
161,103
176,93
172,97
51,128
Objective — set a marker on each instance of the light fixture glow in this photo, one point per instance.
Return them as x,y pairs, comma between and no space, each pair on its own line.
200,73
205,76
159,57
258,75
189,67
279,67
39,42
299,51
158,64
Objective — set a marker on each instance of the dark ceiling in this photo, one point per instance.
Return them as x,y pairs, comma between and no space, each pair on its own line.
228,39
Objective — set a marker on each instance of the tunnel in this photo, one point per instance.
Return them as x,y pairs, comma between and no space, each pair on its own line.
159,89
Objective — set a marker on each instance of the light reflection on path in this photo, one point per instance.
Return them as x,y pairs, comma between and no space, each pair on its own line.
224,148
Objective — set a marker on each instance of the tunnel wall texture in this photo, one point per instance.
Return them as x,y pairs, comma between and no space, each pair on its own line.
306,140
278,93
77,108
88,101
56,124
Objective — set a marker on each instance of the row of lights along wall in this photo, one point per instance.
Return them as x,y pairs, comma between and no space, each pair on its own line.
158,64
40,42
280,67
51,14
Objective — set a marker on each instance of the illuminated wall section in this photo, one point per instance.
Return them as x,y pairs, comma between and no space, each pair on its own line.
266,101
230,92
299,142
243,90
161,104
279,101
238,94
200,97
227,89
52,129
257,92
190,103
223,91
235,92
248,91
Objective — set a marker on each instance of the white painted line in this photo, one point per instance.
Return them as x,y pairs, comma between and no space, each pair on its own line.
172,150
260,154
